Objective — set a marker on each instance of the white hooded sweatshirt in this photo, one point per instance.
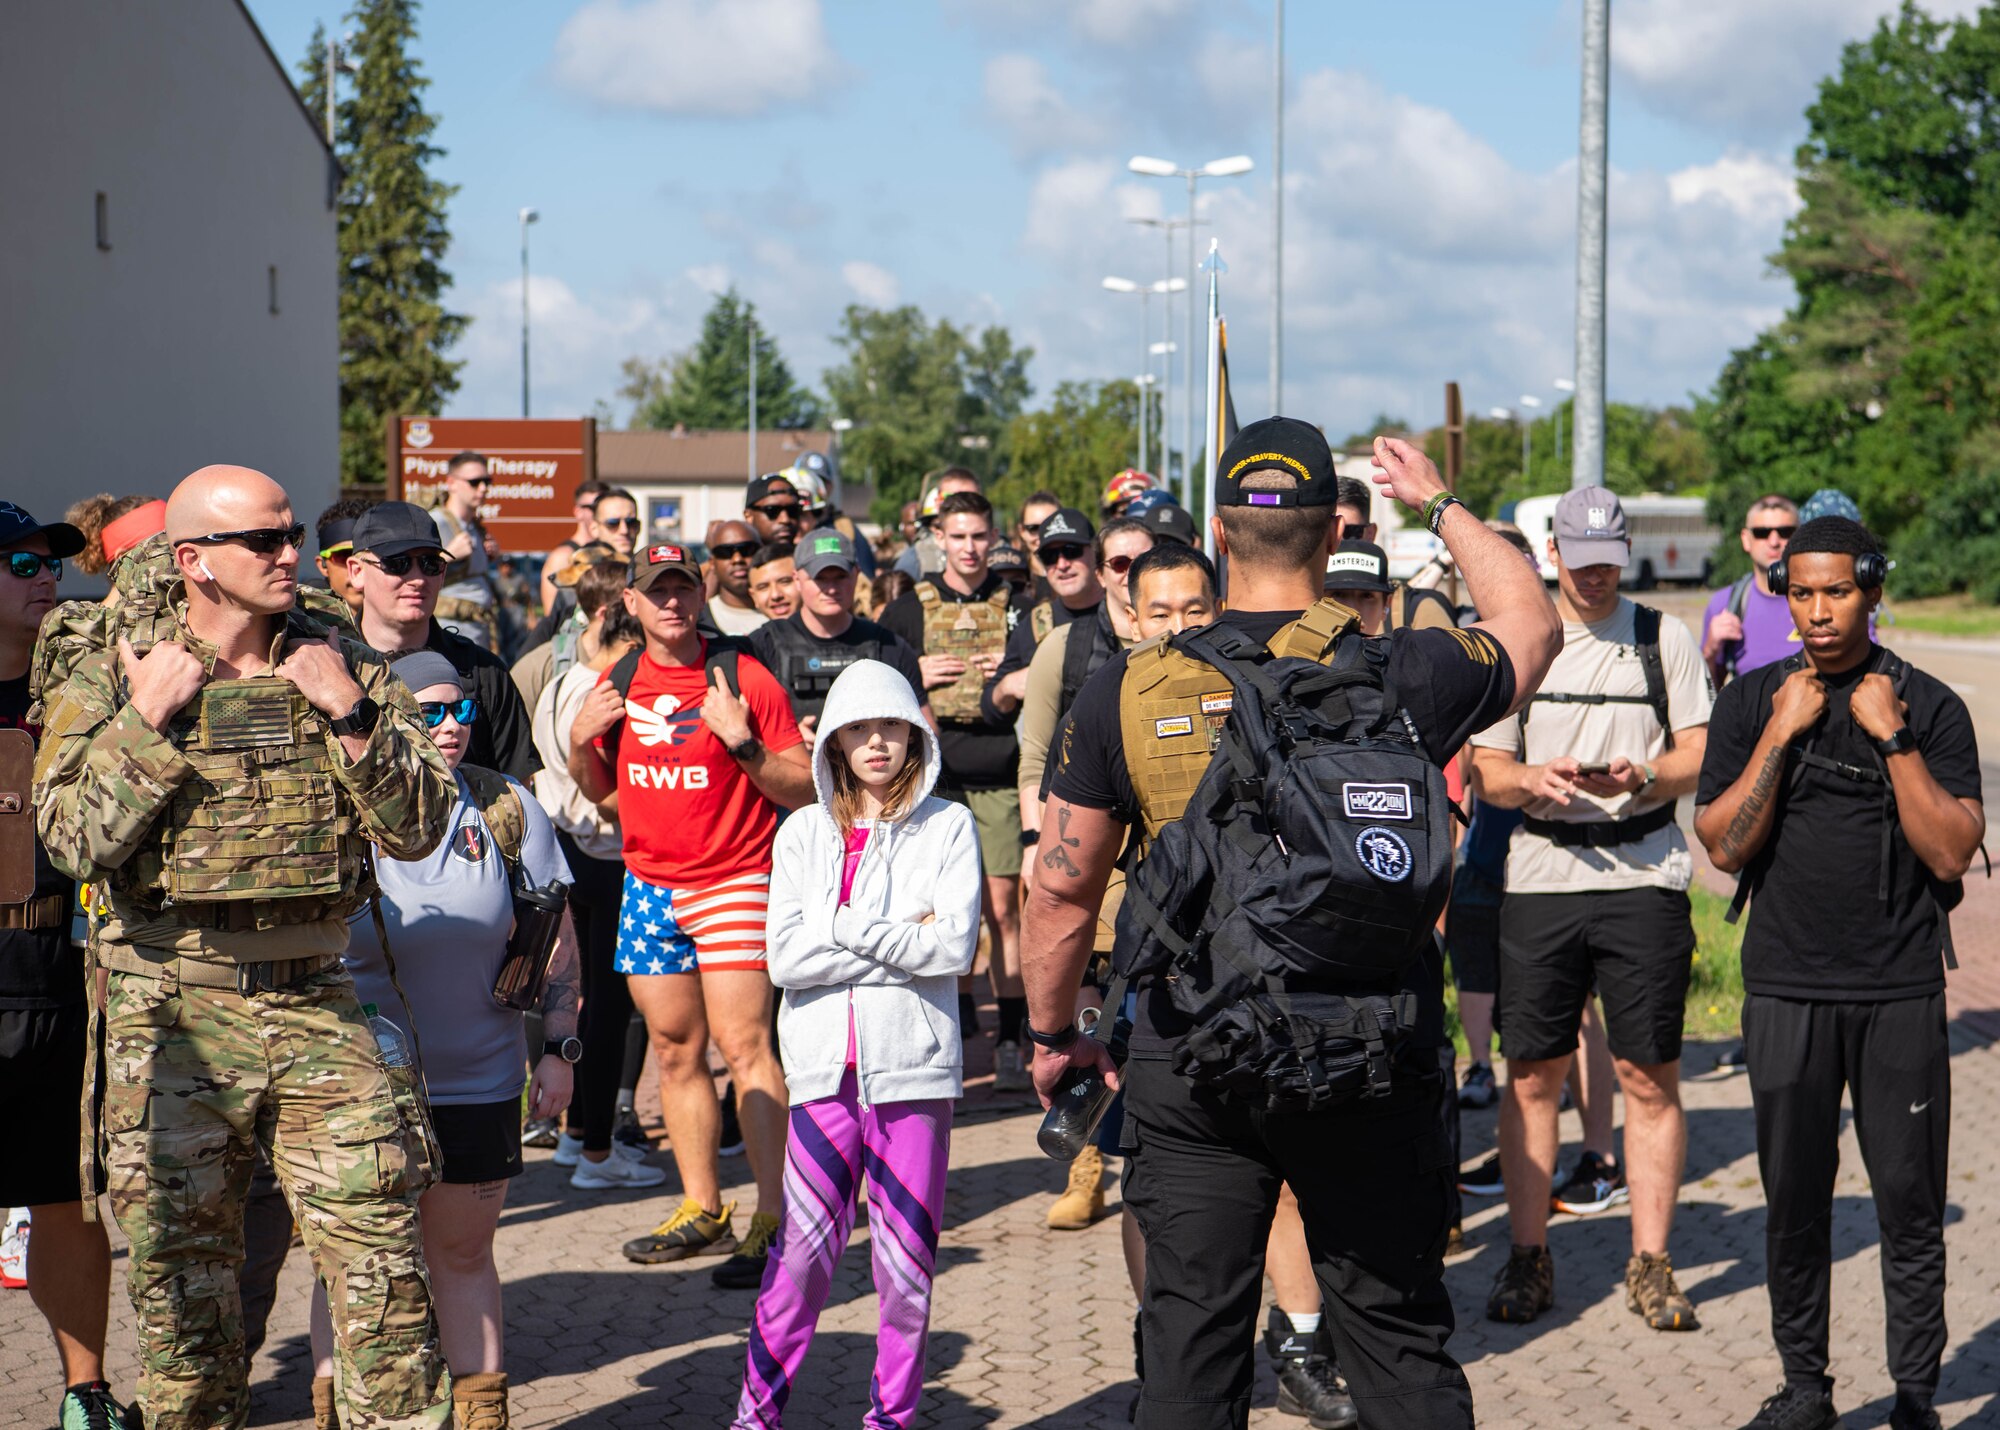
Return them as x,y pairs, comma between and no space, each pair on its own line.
874,954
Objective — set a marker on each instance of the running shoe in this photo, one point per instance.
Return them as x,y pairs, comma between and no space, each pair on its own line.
1735,1060
615,1173
1796,1407
1010,1069
540,1132
744,1270
1525,1287
569,1150
1593,1187
91,1407
626,1132
732,1128
1913,1415
14,1250
1483,1180
1478,1088
1652,1292
690,1231
1309,1384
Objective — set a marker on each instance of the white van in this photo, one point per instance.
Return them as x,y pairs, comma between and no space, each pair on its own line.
1672,538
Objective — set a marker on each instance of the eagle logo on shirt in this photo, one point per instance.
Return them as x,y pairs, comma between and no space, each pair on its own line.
664,722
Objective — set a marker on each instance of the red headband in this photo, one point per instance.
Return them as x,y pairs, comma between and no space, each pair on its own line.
135,526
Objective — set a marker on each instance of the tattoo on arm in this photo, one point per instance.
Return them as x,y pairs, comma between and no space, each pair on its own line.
1737,836
562,993
1058,856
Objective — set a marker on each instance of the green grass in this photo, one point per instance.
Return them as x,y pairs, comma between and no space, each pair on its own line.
1945,616
1715,989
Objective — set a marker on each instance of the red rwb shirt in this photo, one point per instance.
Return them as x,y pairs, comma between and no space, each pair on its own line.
690,816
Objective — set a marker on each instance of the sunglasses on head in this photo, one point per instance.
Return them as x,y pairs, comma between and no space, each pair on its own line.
464,710
1119,565
771,511
430,563
1063,551
1765,533
264,540
27,565
734,549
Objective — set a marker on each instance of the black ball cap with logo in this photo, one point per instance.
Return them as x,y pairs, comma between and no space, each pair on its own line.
1276,444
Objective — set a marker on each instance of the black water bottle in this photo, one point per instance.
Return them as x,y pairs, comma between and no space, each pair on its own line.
1074,1112
538,915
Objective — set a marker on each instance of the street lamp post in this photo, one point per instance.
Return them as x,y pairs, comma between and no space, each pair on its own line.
1167,226
1166,287
1167,169
1527,431
528,216
1562,384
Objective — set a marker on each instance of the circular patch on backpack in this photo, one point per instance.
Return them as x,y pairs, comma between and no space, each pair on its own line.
1384,853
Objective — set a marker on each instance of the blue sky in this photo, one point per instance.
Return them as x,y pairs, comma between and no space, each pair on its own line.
968,156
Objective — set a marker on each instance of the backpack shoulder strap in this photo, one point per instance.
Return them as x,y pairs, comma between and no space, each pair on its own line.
624,671
927,594
1316,634
1739,592
500,806
1646,637
724,654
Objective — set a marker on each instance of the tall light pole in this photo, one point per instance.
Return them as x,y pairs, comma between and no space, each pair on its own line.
1168,226
1527,431
528,216
1591,193
1277,207
1165,287
1214,169
338,62
750,323
1561,384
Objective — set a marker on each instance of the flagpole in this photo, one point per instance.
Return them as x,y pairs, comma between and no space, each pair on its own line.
1211,446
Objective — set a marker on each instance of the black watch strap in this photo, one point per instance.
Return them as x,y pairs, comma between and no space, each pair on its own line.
748,750
1897,743
358,721
1054,1042
568,1049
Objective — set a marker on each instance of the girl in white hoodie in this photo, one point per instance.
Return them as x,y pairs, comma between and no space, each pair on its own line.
875,896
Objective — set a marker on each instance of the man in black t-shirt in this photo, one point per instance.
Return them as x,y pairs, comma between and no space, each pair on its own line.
1843,788
1371,1175
45,1024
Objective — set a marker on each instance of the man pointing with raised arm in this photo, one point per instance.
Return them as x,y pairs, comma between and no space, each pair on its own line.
1371,1176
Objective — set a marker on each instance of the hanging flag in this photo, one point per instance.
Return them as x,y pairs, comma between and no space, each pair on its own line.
1226,426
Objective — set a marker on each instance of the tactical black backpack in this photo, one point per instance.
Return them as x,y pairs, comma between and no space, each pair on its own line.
1285,906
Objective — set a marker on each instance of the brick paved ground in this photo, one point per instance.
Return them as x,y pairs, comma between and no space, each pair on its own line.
1033,1328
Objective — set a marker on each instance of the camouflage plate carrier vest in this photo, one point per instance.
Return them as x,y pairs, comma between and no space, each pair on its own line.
964,629
1171,709
1042,620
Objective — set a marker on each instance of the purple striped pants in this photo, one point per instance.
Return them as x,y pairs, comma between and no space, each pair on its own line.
903,1147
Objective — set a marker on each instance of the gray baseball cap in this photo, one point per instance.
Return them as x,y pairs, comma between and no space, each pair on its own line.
817,550
1590,529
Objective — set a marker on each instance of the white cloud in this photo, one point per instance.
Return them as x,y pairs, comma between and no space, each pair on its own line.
1757,188
1120,24
1741,66
710,58
1036,116
872,284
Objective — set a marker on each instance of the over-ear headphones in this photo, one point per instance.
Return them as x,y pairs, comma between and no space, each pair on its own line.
1871,569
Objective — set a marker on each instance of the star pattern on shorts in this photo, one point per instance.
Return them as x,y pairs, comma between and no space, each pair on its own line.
652,930
655,966
626,965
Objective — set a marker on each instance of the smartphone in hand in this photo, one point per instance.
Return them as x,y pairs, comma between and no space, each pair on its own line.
1594,767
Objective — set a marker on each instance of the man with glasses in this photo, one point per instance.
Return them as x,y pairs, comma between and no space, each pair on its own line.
334,533
470,604
1066,556
582,505
614,521
1746,625
399,568
44,1020
732,546
220,793
772,507
1037,508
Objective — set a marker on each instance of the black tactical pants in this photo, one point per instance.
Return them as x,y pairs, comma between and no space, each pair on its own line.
1372,1178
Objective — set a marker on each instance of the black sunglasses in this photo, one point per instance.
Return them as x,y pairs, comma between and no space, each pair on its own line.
734,549
264,540
771,511
464,710
428,562
27,565
622,523
477,481
1765,533
1061,551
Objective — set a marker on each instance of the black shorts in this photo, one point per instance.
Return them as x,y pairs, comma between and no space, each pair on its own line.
1635,945
1472,937
481,1141
41,1086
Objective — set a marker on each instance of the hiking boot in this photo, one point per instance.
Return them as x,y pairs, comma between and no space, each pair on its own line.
1596,1185
1478,1088
91,1407
1308,1382
1483,1180
1010,1069
690,1231
1525,1287
1650,1290
1083,1202
325,1417
744,1271
1913,1414
479,1400
1796,1407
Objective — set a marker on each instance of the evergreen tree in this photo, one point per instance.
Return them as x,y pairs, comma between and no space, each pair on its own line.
707,387
394,328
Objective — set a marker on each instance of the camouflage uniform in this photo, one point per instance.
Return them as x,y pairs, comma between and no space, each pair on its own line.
230,851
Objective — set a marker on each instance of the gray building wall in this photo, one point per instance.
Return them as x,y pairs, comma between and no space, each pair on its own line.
124,369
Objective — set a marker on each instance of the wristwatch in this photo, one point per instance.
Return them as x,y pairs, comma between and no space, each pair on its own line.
568,1049
358,721
750,749
1646,784
1897,743
1054,1042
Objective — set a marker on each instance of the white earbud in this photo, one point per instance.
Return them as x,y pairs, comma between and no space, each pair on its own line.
206,574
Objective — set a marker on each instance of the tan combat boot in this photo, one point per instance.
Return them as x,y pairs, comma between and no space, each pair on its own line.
479,1400
324,1415
1083,1201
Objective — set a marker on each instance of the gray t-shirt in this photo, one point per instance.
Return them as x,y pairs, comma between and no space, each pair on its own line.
449,915
477,583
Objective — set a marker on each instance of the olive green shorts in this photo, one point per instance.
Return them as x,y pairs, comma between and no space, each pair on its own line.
997,812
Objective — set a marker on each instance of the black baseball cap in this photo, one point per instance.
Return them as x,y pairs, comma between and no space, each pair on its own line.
17,526
1066,527
1277,444
1358,566
1005,557
1170,521
770,484
392,527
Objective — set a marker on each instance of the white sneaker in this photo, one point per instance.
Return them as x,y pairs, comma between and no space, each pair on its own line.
614,1173
14,1250
569,1150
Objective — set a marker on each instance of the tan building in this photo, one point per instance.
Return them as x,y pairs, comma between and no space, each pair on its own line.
685,481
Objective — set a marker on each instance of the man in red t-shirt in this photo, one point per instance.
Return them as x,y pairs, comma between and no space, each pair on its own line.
699,774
